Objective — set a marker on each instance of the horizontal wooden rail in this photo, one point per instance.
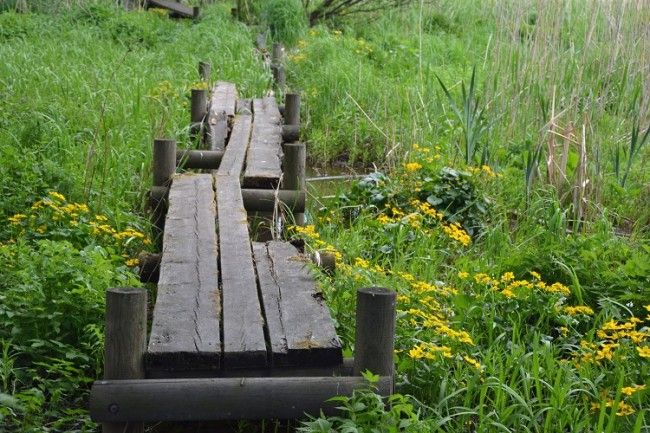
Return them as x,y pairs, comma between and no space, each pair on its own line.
152,400
199,159
255,200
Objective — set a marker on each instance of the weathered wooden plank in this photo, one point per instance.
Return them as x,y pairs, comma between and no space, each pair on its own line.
244,344
232,162
263,162
301,331
222,110
185,328
176,8
270,294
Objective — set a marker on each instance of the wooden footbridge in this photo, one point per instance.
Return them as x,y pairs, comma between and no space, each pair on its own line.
239,329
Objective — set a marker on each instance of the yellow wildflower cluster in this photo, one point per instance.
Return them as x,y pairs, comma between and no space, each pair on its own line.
129,233
473,362
622,409
578,309
54,211
17,218
457,233
426,209
412,166
629,390
484,169
132,262
612,334
426,350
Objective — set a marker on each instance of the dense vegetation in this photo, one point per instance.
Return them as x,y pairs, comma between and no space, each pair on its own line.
509,205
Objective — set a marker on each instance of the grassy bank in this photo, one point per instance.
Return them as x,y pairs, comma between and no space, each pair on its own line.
84,92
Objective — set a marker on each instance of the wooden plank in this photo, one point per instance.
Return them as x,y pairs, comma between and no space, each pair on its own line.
263,162
154,400
177,9
244,106
232,162
185,328
301,331
244,344
222,110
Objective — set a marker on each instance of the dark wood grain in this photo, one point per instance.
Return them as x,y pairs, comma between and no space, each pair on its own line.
263,162
234,156
222,109
176,8
244,344
185,328
301,330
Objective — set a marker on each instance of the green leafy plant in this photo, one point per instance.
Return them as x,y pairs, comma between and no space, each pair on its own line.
456,194
472,118
627,156
365,411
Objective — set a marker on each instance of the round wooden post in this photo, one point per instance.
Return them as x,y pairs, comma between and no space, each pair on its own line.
375,339
295,163
198,110
279,76
260,41
205,69
292,109
276,54
164,166
125,344
196,12
164,161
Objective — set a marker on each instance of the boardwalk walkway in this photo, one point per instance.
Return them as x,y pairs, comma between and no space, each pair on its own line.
228,306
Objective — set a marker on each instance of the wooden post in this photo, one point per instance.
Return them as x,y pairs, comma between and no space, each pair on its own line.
125,344
295,162
205,69
164,166
196,12
260,41
279,76
292,109
276,54
164,161
375,333
198,110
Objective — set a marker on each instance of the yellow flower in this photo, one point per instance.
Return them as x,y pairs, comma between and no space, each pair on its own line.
473,362
463,275
17,218
578,309
535,275
508,276
629,390
132,262
416,352
644,352
56,196
362,263
412,166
